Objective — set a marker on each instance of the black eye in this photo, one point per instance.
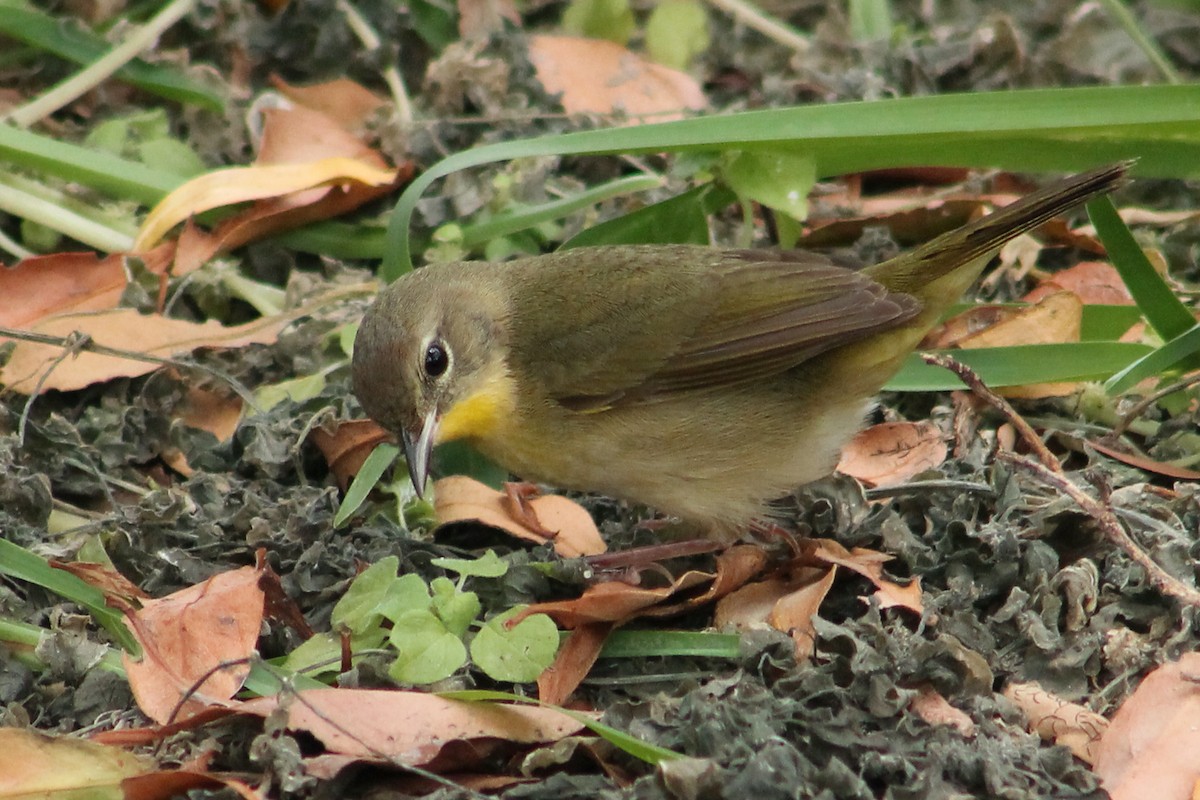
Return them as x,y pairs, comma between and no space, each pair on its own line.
436,360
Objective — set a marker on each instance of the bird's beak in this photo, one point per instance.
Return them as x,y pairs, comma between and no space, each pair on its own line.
418,452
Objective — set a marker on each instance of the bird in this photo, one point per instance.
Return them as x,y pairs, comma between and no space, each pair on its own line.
700,381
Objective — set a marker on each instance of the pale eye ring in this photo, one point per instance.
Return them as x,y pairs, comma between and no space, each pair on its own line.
436,359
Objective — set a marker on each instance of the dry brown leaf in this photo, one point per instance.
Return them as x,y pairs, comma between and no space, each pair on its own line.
459,498
1146,463
41,766
215,412
1055,319
479,19
348,103
410,727
595,76
123,329
52,284
171,783
186,635
241,184
869,564
1150,747
105,578
935,709
348,446
1093,282
891,453
1071,725
574,661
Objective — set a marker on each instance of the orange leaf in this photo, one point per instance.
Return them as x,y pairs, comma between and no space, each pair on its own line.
458,498
342,100
600,77
411,727
241,184
348,446
188,635
1149,749
122,329
892,452
1069,724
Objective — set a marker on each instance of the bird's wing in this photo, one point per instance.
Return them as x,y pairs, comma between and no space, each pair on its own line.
699,318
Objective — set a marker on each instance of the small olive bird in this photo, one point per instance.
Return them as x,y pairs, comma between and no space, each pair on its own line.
703,382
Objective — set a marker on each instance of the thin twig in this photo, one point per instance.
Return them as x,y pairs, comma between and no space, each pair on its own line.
1110,526
1140,407
1048,469
771,27
977,386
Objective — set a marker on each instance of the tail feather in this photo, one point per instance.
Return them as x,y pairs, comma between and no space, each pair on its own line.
950,251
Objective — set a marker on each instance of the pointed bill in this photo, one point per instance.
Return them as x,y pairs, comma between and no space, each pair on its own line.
417,453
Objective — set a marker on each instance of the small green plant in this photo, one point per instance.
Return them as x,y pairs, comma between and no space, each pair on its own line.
431,627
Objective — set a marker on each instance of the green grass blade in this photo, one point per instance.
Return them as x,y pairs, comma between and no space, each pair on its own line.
382,457
651,644
1159,305
1038,129
1022,365
1180,350
17,562
69,40
101,171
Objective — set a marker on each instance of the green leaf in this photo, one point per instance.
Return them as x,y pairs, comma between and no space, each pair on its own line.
489,565
455,608
1180,350
870,20
518,654
19,563
381,458
1030,130
405,595
600,19
680,220
68,39
428,652
677,32
359,608
305,387
652,643
1159,305
1021,365
779,180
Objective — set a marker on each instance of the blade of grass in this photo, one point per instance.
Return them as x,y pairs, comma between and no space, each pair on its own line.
651,643
1162,309
99,70
382,457
1022,365
1060,129
1180,350
69,40
17,562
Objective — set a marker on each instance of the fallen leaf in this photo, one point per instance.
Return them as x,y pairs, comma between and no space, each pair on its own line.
348,103
241,184
1093,282
348,445
1149,748
52,284
596,76
1055,319
188,635
1145,462
105,578
215,412
407,727
480,19
122,329
458,498
891,453
41,766
574,661
869,564
931,706
1071,725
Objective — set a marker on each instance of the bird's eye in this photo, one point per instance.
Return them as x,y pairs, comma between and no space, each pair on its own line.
436,359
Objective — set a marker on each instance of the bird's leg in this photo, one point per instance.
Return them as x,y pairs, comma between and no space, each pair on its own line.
517,497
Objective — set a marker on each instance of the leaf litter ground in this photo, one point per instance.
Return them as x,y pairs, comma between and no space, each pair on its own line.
1016,583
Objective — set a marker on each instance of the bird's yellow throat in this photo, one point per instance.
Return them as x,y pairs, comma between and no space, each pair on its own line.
478,414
